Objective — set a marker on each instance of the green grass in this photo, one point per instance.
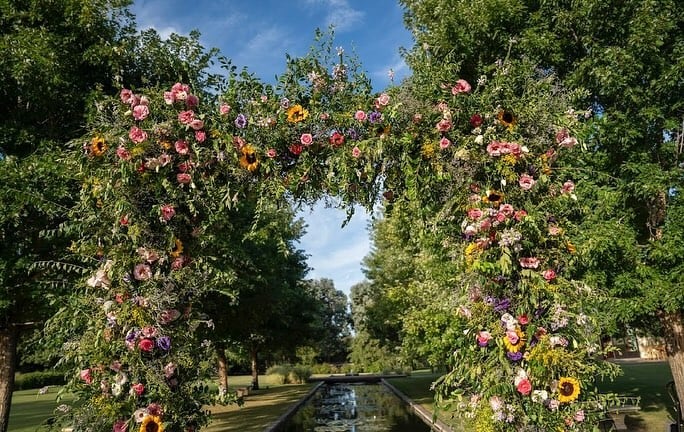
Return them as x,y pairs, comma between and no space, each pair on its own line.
263,407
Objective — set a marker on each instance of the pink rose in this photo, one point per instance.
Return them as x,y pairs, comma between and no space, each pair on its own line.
494,148
142,272
474,213
155,409
137,135
196,124
483,338
529,262
271,153
86,376
200,136
126,96
506,209
180,91
182,147
382,100
523,320
526,182
146,345
569,142
356,152
444,125
485,225
549,275
168,211
140,112
444,143
120,426
306,139
336,139
122,153
138,389
360,115
169,98
192,101
169,370
224,109
183,178
520,215
186,117
512,336
579,416
524,386
461,86
568,187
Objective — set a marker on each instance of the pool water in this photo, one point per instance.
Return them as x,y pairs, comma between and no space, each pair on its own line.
355,407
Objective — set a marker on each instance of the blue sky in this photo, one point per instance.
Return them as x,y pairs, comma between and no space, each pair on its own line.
257,34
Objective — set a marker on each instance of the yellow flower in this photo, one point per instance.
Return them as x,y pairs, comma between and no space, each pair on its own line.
165,144
296,114
493,197
571,248
514,340
151,424
428,150
568,389
470,252
248,159
98,146
507,119
177,249
509,159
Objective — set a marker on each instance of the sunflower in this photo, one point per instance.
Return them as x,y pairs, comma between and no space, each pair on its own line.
507,119
177,249
493,197
151,424
568,389
297,113
514,340
98,146
249,160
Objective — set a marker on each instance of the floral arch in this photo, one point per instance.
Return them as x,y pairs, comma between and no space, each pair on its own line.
162,166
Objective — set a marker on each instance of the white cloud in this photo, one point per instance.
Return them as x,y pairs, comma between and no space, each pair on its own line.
340,14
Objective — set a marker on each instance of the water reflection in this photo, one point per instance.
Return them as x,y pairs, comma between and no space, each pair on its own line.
354,408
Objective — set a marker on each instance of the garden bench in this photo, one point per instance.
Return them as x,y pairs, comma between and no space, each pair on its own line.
626,405
242,391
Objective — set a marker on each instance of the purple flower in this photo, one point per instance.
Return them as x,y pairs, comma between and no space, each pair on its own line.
375,117
132,335
353,134
514,356
164,343
241,121
502,305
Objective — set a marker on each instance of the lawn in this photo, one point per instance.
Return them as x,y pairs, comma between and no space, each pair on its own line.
263,407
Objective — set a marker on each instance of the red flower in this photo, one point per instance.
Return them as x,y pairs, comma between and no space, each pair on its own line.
146,345
336,139
296,149
138,389
476,120
524,387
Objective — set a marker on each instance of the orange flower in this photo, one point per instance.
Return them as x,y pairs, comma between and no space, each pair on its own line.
297,113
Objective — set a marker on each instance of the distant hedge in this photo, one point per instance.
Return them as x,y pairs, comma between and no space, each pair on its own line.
35,380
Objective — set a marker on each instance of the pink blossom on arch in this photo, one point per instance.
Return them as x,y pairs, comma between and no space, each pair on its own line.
526,181
86,376
461,86
568,187
360,115
168,211
191,101
306,139
224,109
182,147
186,117
183,178
142,272
200,136
140,112
126,96
356,152
271,153
549,275
444,143
444,125
494,148
474,213
196,124
529,262
122,153
137,135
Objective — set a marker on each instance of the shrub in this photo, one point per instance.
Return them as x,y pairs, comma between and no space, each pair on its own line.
282,371
299,374
34,380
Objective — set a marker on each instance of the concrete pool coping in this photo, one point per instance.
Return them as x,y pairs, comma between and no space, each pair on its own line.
422,413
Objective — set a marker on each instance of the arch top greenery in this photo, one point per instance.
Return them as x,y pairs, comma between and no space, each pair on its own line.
162,169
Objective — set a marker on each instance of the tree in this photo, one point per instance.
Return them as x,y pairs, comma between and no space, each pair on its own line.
628,56
331,326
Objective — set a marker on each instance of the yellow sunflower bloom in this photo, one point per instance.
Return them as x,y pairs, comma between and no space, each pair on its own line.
568,389
98,146
248,158
177,249
297,113
507,119
493,197
514,340
151,424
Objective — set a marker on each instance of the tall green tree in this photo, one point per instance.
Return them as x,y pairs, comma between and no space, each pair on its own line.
331,328
629,56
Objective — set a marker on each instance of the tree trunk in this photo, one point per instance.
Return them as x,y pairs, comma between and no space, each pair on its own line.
255,369
674,344
222,370
8,356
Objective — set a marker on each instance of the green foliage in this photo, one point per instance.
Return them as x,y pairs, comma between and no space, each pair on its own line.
34,380
290,374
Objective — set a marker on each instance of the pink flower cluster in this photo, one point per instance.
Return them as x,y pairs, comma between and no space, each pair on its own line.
501,148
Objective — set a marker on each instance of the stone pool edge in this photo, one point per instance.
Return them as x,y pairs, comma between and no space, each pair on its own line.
425,415
275,426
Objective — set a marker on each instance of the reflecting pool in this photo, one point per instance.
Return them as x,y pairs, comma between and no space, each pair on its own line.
354,407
